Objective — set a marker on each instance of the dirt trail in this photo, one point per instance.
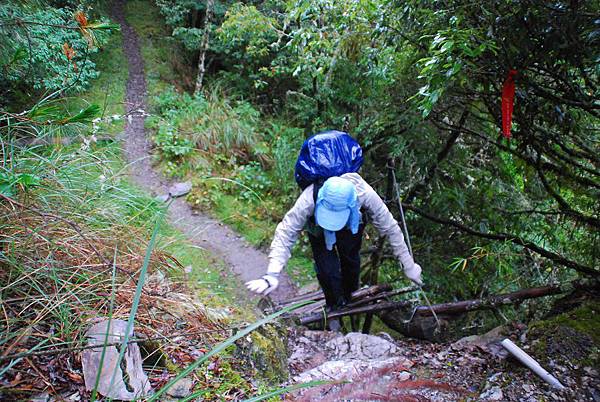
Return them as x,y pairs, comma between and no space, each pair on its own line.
243,259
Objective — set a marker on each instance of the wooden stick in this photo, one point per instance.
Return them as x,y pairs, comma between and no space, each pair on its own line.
371,308
531,363
358,294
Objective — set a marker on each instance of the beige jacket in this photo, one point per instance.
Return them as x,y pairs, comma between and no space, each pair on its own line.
289,228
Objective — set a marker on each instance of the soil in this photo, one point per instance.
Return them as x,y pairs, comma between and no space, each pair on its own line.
243,259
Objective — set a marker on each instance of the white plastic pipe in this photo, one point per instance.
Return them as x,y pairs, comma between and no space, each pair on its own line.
531,363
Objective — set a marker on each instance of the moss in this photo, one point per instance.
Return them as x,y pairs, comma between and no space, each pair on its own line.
573,336
220,379
266,351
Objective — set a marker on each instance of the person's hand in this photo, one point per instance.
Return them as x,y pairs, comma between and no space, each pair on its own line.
414,274
264,285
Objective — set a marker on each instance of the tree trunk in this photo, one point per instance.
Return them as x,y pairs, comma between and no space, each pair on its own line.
204,45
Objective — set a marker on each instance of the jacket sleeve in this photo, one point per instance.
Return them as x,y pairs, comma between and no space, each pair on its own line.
289,229
385,223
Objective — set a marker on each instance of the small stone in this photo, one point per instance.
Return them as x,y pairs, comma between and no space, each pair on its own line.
180,189
494,377
162,198
404,376
45,397
188,269
492,394
181,388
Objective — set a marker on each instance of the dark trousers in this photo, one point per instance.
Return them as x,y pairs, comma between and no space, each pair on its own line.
338,270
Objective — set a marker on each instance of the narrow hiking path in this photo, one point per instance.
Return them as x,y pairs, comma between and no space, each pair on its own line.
242,258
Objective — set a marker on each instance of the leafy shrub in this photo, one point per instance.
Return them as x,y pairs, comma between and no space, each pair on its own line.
286,143
169,101
46,56
171,144
247,33
255,181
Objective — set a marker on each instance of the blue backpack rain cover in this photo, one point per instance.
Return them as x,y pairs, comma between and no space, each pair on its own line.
327,154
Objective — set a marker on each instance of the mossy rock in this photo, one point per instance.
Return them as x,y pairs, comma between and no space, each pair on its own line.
265,350
573,336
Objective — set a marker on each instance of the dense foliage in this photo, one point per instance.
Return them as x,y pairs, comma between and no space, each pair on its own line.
47,48
419,84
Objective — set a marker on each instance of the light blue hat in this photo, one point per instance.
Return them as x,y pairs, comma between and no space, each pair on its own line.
336,208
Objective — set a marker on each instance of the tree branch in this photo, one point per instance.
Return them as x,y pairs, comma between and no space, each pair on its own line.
557,258
443,154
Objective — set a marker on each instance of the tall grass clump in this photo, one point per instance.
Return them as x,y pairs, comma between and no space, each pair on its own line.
78,244
68,221
210,124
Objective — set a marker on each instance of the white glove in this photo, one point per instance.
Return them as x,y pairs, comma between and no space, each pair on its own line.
414,274
264,285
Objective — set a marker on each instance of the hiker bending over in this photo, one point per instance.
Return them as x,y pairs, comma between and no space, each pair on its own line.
334,213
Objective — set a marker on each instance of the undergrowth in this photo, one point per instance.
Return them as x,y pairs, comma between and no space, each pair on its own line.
73,236
239,165
61,240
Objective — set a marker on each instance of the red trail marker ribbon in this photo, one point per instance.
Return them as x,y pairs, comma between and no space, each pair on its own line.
508,99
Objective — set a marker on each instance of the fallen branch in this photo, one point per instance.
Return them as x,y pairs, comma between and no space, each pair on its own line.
371,308
318,295
532,364
489,302
420,325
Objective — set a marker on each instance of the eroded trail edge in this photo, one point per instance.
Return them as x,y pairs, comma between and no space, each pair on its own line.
243,259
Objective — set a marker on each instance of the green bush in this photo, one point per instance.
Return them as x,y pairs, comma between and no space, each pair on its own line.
216,124
172,145
256,184
39,54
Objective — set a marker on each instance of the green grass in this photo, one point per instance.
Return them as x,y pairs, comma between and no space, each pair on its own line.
133,207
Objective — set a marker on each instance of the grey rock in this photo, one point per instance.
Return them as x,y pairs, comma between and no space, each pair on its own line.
490,342
181,388
492,394
345,357
162,198
43,397
90,359
180,189
344,369
361,346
